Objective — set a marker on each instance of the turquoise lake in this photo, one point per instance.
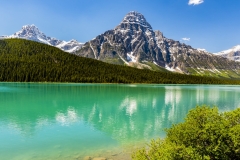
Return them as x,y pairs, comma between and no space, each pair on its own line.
71,121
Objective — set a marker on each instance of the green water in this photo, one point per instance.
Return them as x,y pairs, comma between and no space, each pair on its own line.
70,121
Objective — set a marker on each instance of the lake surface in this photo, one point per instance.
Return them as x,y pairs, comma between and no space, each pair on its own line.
71,121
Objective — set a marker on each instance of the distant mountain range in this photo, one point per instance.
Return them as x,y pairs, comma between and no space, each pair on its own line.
134,43
31,32
232,54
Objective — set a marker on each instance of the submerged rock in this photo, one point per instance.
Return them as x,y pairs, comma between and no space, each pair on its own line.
87,158
99,158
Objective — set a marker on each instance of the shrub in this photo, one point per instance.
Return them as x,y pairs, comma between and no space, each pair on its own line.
205,134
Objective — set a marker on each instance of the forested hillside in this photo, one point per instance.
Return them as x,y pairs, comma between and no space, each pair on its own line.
28,61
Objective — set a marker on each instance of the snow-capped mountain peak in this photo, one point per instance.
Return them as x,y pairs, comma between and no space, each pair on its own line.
30,27
27,31
31,32
134,17
232,54
233,49
236,48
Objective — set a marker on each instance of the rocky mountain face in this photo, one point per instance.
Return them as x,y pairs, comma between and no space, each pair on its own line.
231,54
31,32
133,42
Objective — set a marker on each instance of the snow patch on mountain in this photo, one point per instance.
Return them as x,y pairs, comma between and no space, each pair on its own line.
131,57
170,68
202,49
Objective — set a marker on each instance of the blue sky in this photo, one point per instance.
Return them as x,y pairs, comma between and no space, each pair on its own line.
210,24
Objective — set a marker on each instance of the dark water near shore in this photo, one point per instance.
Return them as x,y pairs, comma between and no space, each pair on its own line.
70,121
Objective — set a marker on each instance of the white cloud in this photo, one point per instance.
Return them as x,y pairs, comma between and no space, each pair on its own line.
195,2
186,39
